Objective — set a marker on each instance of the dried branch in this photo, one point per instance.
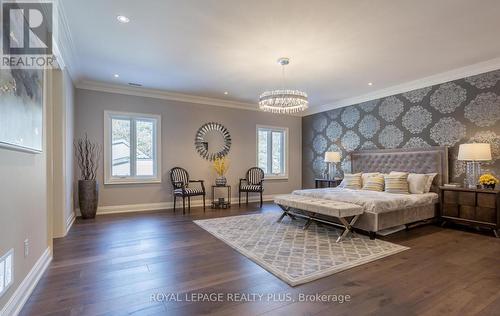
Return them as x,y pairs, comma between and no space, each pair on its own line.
87,155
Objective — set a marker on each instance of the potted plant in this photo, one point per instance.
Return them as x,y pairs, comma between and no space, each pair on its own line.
87,155
221,165
488,181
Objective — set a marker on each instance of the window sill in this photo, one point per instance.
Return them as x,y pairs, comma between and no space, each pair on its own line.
271,177
131,181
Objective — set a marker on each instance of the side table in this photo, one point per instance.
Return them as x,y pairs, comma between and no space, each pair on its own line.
221,202
328,183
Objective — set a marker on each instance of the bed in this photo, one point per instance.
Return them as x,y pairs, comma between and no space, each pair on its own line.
387,210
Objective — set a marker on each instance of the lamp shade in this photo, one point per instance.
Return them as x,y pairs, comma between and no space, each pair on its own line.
474,152
332,156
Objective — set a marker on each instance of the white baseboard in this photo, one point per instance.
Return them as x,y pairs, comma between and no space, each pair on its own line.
114,209
24,290
69,222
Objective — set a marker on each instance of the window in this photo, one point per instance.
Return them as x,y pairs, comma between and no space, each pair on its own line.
6,271
272,151
132,148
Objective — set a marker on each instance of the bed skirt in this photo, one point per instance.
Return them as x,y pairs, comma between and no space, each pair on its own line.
373,222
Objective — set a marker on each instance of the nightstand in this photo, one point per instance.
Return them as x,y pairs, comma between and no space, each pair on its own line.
471,207
326,183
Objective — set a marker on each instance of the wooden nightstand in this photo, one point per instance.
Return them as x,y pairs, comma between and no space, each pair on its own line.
326,183
472,207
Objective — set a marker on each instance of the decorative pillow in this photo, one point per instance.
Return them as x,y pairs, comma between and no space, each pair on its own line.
417,182
398,173
352,181
366,176
341,184
430,179
395,183
374,183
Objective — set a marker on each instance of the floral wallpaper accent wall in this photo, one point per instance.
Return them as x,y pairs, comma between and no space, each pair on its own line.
449,114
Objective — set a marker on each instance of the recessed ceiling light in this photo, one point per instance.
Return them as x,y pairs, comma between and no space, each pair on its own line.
122,19
226,93
370,83
116,75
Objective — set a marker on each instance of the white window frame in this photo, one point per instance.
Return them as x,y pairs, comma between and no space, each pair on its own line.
284,130
6,286
133,117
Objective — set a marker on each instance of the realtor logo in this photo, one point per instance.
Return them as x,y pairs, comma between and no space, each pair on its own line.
27,28
27,35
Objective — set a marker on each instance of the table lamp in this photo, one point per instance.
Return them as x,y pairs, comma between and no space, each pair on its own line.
331,158
473,154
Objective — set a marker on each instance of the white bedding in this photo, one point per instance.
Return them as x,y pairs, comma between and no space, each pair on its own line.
372,201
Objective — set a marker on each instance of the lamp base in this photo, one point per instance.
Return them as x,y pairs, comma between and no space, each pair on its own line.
331,171
472,174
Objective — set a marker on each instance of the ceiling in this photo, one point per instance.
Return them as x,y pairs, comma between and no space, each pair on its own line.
206,47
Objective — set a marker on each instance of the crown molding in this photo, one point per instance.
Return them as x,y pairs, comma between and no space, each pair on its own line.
164,95
64,47
459,73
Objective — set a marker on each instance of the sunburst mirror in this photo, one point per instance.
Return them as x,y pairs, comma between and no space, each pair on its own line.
212,141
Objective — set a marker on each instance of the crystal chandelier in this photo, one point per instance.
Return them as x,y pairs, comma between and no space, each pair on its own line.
284,100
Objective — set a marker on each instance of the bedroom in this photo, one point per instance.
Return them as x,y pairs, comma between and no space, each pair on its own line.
251,157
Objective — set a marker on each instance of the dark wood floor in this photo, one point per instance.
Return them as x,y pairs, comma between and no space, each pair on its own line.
113,264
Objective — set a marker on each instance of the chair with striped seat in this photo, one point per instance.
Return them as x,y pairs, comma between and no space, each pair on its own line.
252,183
180,183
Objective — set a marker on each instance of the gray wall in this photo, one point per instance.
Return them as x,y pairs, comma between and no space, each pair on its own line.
461,111
180,122
23,206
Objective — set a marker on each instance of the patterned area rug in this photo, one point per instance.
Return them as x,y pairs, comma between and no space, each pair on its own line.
292,254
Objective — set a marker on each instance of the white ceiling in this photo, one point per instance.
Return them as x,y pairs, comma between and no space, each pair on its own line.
206,47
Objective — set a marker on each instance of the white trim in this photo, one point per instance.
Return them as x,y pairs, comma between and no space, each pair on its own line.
24,290
57,53
164,95
108,178
273,177
459,73
65,43
115,209
283,176
69,222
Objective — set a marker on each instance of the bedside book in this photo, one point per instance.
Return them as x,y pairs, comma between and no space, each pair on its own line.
452,185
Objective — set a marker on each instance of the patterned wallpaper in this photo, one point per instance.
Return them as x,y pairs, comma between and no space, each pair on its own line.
449,114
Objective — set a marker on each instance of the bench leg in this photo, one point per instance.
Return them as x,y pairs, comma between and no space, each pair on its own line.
309,221
281,217
285,213
348,227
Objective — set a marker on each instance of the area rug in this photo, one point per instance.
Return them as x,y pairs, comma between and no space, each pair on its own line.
294,255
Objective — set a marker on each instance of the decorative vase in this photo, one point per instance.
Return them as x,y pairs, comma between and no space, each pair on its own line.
88,197
489,186
220,181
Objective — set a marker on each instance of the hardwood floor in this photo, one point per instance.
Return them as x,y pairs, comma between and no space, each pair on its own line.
114,264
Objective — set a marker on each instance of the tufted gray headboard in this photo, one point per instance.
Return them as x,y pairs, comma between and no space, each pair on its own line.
419,160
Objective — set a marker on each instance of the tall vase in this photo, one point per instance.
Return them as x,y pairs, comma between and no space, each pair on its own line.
88,197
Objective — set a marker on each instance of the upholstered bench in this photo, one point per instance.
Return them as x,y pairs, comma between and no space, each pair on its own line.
314,206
